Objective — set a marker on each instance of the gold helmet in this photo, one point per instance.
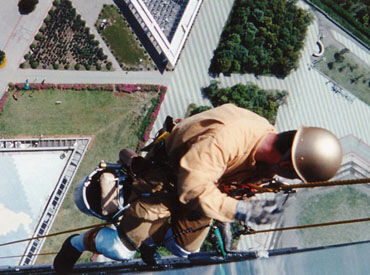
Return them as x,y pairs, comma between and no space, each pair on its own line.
316,154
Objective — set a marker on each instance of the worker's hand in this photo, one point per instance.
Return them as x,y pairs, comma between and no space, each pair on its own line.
243,211
257,211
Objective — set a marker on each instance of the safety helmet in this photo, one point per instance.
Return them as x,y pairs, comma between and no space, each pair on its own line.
87,195
316,154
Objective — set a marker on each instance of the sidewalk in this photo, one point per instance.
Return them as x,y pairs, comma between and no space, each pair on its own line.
18,34
98,77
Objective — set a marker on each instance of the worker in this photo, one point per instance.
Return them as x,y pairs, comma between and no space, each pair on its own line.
188,180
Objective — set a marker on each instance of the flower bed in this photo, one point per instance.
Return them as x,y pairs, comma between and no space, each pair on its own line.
2,101
152,114
65,42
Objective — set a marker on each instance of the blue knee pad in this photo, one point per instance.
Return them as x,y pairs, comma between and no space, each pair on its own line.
108,243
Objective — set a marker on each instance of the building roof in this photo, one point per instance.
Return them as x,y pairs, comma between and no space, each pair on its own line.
168,22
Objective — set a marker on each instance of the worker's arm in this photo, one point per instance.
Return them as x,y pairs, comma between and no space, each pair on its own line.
199,171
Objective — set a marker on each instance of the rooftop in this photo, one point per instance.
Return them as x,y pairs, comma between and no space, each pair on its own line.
35,177
167,23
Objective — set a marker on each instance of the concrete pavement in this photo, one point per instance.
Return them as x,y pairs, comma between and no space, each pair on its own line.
98,77
17,33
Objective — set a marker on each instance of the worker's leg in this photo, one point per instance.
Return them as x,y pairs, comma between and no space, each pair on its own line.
187,233
102,240
144,224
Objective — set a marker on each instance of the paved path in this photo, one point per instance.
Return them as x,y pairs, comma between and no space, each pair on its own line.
16,34
66,76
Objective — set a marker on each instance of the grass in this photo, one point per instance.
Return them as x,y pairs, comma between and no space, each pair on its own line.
344,203
350,73
121,40
111,120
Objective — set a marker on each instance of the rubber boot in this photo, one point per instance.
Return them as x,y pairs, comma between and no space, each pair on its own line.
66,257
149,254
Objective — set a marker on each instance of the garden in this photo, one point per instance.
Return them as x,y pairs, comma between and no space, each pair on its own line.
64,42
115,116
347,70
350,14
122,41
249,96
261,37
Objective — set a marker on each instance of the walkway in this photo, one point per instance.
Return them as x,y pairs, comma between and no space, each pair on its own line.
17,33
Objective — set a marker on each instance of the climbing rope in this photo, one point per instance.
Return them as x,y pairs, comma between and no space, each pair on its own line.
276,186
249,231
57,233
245,231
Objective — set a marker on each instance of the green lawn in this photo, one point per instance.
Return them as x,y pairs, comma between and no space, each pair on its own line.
110,118
342,203
348,72
121,40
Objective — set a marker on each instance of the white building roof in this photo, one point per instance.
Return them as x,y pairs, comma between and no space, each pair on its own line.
170,45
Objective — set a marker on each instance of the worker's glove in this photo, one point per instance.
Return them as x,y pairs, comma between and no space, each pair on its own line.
243,211
257,211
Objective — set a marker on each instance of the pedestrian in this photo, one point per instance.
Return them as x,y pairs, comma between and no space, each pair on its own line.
190,176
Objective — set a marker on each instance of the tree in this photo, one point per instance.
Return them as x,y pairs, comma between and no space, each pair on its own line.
272,33
199,109
34,64
222,64
248,96
2,57
27,6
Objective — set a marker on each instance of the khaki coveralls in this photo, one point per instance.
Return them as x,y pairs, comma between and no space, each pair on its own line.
213,147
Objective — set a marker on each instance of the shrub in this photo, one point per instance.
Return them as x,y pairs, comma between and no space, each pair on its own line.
22,65
109,66
38,37
34,64
56,66
199,109
27,6
2,56
77,66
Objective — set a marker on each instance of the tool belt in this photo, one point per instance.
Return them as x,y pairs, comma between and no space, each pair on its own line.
154,172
